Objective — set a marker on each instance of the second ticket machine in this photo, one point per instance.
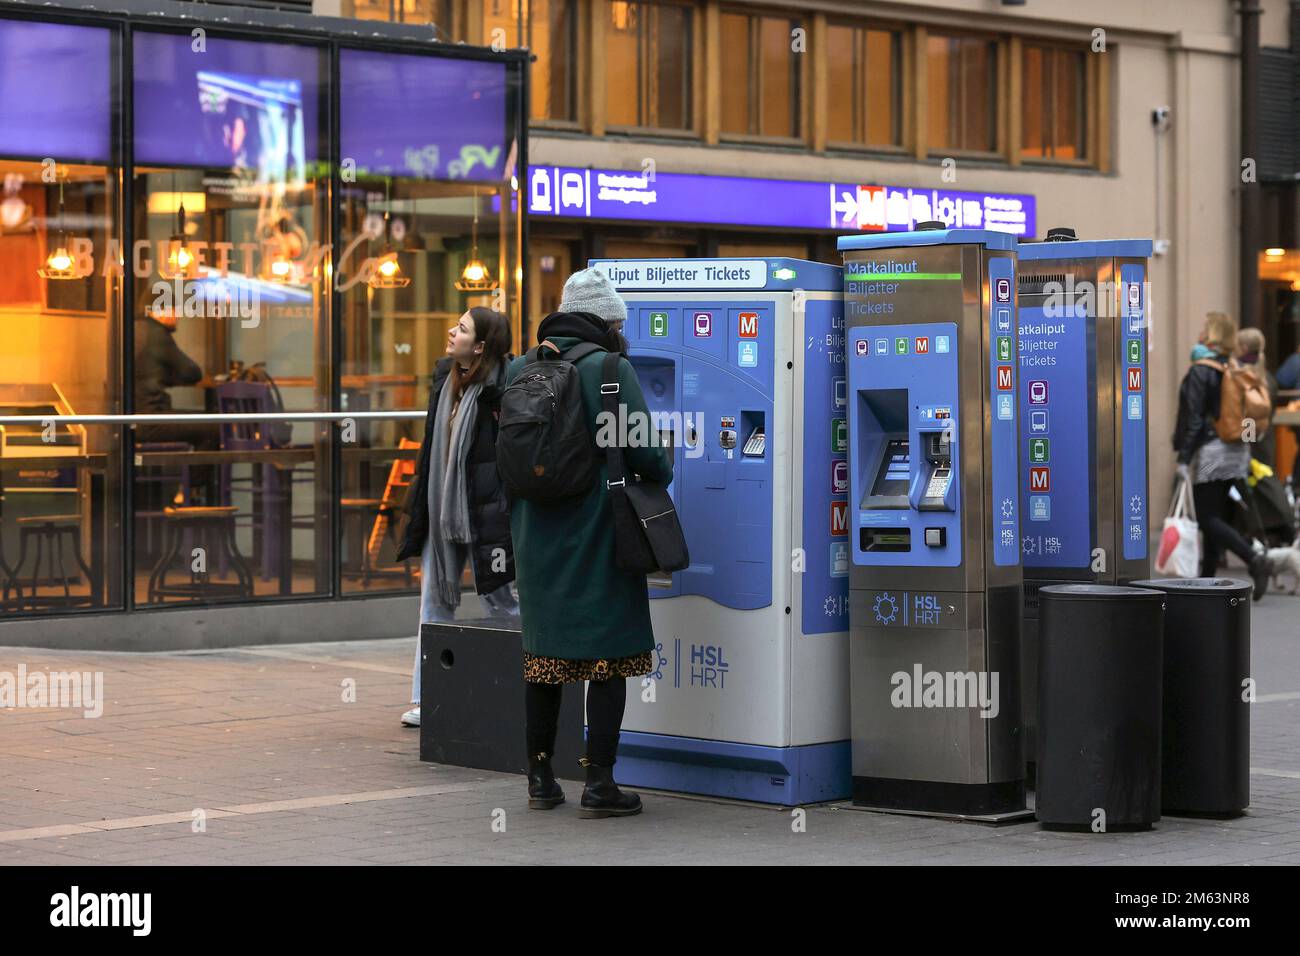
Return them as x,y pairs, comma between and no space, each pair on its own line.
934,522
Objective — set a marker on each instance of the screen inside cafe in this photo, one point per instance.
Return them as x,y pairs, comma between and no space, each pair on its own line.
222,290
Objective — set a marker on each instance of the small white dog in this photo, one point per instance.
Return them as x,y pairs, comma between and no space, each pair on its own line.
1285,561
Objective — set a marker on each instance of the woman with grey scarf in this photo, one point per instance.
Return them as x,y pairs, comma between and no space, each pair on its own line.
457,509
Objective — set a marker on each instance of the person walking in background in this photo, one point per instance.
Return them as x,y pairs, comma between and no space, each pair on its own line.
456,508
1207,461
584,619
1250,351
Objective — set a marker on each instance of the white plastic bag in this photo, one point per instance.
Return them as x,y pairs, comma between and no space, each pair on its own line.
1179,555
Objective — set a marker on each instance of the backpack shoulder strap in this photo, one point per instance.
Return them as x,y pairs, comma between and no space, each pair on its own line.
609,399
580,351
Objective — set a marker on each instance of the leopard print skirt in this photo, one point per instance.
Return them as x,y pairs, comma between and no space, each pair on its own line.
557,670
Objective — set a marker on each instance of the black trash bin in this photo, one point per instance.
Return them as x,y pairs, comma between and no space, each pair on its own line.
1205,767
1099,680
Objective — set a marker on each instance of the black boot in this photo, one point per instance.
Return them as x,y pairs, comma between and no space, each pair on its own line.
544,792
1260,570
601,796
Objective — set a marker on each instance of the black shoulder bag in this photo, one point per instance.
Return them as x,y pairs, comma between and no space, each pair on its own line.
647,535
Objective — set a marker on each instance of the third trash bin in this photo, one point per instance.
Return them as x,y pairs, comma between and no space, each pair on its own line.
1205,767
1099,679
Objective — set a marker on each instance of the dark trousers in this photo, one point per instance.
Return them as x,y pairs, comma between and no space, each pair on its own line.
606,700
1214,515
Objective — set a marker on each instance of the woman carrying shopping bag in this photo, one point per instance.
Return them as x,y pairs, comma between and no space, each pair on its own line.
1180,548
1209,463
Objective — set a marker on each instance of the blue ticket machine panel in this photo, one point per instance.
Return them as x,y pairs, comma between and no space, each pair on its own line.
1083,423
742,365
904,445
934,587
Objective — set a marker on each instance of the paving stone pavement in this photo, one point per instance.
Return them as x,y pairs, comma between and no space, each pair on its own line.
260,744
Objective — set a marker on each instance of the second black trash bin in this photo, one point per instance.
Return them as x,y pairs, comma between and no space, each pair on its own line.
1205,767
1099,682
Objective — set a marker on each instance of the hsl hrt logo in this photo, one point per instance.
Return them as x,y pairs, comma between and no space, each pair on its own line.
708,666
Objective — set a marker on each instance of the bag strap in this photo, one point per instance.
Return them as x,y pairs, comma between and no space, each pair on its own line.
1183,505
573,355
616,479
580,351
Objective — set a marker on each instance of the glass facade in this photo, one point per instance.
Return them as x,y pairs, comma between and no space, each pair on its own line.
287,235
61,335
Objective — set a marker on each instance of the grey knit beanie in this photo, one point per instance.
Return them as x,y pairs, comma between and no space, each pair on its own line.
591,291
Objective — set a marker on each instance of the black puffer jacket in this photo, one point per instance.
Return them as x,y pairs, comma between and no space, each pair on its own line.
489,509
1198,407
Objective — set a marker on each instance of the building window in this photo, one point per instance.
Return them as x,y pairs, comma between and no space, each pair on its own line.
760,75
438,12
864,75
962,88
648,56
549,29
552,36
1054,114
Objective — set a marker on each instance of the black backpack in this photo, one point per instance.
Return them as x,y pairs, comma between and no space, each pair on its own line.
544,452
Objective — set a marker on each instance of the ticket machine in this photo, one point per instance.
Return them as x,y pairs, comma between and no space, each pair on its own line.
1083,422
742,364
934,523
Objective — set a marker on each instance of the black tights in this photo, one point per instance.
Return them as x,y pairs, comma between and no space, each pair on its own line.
1214,514
605,702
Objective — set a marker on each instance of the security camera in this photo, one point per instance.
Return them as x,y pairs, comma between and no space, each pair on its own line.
1160,116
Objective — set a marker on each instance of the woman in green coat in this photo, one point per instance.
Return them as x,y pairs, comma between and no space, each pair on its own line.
583,618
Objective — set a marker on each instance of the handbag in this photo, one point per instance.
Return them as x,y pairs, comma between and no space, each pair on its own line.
1179,555
648,536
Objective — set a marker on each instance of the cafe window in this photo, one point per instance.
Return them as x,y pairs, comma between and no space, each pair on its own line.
228,265
648,50
431,205
232,316
865,89
1054,105
60,318
761,82
961,74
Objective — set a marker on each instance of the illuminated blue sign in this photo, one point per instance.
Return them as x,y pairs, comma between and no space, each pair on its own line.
570,192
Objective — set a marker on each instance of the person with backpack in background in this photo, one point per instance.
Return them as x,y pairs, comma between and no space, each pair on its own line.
1250,354
583,617
456,507
1217,401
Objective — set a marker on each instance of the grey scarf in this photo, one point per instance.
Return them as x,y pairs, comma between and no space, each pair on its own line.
449,530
